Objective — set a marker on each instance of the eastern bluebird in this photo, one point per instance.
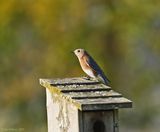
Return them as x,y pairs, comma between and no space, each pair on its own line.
90,67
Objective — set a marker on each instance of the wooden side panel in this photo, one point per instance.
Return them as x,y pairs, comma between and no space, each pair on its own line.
73,119
116,120
52,112
61,116
96,121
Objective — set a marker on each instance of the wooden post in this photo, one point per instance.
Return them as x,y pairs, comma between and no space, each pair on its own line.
82,105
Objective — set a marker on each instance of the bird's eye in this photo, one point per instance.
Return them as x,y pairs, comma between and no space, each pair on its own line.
78,51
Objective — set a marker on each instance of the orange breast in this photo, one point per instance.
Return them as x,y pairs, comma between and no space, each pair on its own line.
83,64
86,66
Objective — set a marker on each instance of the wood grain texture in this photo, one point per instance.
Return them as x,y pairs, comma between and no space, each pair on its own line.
61,116
86,94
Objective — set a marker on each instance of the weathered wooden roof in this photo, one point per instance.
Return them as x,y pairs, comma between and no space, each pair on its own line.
86,94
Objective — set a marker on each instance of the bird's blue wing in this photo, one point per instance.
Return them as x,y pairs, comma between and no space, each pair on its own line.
97,69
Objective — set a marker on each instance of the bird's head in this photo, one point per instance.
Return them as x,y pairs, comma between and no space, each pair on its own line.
79,52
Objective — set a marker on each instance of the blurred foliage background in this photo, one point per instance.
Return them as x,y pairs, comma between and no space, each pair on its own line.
36,38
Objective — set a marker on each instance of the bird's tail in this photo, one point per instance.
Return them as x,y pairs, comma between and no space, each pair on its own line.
103,79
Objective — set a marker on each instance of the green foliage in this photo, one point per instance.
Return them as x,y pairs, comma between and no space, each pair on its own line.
36,38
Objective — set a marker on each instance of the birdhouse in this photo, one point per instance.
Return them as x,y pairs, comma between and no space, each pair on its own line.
82,105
